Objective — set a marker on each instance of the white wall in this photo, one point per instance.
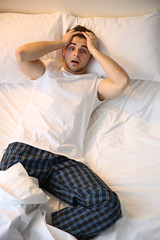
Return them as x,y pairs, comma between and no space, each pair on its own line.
82,8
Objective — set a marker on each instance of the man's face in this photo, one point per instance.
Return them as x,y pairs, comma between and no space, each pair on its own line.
76,56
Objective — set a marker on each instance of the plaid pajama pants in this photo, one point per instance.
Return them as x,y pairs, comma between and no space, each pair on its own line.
93,206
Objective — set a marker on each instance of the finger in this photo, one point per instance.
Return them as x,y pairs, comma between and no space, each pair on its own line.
88,34
71,30
85,34
74,32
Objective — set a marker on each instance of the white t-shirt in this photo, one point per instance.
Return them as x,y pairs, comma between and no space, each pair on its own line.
58,112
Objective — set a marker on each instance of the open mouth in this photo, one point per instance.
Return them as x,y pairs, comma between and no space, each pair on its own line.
74,62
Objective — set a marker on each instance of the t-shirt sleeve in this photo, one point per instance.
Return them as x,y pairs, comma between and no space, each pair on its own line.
97,101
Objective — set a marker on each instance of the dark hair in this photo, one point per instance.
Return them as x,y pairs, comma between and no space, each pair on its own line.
80,28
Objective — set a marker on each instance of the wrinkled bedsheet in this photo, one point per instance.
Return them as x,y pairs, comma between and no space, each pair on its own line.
21,208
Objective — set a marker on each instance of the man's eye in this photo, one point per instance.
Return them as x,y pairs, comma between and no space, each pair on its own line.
71,48
83,51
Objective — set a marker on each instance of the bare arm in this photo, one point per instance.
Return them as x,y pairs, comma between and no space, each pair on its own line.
117,80
28,56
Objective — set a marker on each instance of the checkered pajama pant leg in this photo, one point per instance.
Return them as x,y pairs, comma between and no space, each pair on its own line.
93,206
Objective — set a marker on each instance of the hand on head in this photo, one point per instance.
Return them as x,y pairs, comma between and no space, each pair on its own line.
90,37
68,36
91,41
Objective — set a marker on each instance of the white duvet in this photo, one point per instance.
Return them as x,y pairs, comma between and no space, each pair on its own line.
21,208
125,153
122,146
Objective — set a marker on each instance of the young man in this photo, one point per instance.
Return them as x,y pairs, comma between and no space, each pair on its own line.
46,146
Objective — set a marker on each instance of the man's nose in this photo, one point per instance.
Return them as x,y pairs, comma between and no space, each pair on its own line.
76,52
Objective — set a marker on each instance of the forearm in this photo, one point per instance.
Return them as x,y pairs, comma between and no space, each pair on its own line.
33,51
113,70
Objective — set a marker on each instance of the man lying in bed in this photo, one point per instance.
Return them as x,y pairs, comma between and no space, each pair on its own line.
53,127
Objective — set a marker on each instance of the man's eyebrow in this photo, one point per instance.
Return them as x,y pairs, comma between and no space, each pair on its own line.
84,46
81,45
72,43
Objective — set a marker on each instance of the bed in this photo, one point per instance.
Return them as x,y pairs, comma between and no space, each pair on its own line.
122,143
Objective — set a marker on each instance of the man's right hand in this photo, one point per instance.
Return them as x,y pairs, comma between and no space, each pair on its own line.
68,37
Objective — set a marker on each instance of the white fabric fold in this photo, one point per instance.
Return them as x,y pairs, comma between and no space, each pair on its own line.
21,217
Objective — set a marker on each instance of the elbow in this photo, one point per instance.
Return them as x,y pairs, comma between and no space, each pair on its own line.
125,81
123,84
20,54
126,78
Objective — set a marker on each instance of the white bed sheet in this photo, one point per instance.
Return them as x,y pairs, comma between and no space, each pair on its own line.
21,208
13,98
126,154
122,146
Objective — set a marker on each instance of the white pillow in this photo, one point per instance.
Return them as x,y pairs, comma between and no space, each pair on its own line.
131,41
18,29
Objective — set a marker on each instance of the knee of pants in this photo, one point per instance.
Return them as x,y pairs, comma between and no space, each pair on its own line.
113,203
103,198
111,208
